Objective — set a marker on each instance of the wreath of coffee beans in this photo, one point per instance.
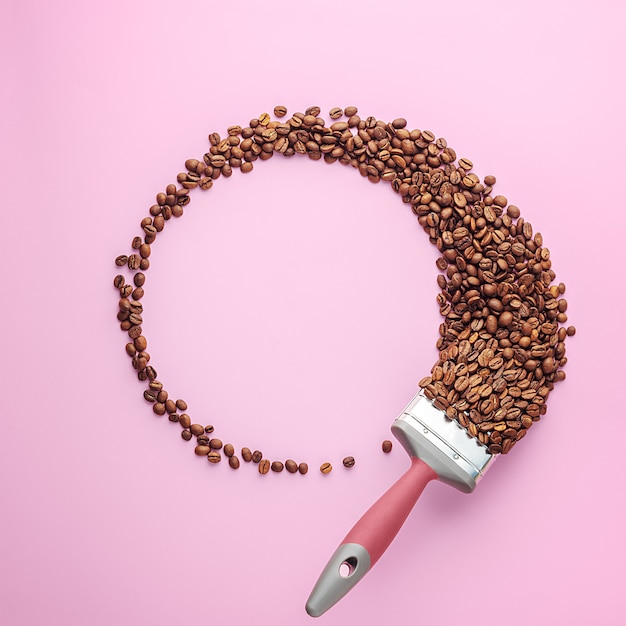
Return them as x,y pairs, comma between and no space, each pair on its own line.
502,340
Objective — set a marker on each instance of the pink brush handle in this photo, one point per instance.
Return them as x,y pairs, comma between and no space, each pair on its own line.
380,524
368,539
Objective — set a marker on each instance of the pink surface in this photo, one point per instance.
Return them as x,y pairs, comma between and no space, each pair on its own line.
294,308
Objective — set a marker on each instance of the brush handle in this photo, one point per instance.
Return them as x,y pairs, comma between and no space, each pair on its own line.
369,538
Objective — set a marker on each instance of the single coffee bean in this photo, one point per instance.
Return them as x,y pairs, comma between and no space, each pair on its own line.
202,450
173,417
303,468
158,408
280,111
335,113
291,466
264,466
233,461
505,319
348,461
186,435
118,281
216,444
229,450
277,466
350,111
246,454
184,420
181,405
257,456
121,260
196,429
387,446
149,395
214,456
326,468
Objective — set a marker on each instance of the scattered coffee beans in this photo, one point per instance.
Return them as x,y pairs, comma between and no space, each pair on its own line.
502,341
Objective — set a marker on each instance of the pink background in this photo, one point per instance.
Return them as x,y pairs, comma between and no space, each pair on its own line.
294,309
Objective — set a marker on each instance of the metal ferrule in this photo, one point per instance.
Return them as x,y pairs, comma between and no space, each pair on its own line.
428,434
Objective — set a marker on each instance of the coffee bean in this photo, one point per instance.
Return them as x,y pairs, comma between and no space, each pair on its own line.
214,456
291,466
264,466
257,456
233,461
229,450
202,450
121,260
387,446
186,435
158,408
303,468
277,466
326,468
196,429
280,111
348,461
216,444
184,420
335,113
246,454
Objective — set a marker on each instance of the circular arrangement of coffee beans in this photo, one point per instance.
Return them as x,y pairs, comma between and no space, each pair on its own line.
502,340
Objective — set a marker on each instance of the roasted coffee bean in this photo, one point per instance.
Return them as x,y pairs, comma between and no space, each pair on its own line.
186,435
335,113
202,450
184,420
121,260
214,456
196,429
246,454
291,466
326,468
216,444
264,466
279,111
233,461
257,455
209,428
303,468
118,281
387,446
348,461
229,450
277,466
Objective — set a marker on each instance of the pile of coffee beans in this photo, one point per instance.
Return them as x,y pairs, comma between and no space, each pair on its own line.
502,340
